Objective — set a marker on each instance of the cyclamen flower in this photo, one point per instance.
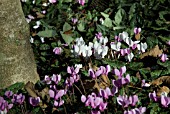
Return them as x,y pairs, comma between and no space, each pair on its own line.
74,20
120,72
140,110
52,1
98,35
168,42
105,93
129,57
145,84
125,101
47,79
165,101
58,103
115,46
142,47
82,2
163,57
105,70
18,98
8,94
57,50
94,74
125,51
56,94
94,101
4,106
34,101
153,96
137,30
120,82
38,23
56,78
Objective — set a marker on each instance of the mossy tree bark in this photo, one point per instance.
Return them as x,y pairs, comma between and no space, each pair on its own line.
17,62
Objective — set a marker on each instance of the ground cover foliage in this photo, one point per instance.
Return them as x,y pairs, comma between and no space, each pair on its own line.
96,57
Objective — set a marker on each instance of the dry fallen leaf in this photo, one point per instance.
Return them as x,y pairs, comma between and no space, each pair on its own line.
165,80
30,89
161,90
155,52
104,81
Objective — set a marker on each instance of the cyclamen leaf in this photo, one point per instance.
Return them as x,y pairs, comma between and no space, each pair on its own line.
108,22
66,27
47,33
67,38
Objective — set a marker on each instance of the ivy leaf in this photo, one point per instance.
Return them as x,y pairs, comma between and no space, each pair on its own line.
66,27
67,38
47,33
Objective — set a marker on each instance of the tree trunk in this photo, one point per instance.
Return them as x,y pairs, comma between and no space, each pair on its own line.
17,62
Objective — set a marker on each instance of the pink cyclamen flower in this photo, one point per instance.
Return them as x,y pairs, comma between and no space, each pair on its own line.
47,79
81,2
120,72
58,103
18,98
57,50
168,42
165,101
56,78
52,1
34,101
164,57
137,30
74,20
56,94
8,94
125,51
95,74
153,96
133,100
123,100
98,35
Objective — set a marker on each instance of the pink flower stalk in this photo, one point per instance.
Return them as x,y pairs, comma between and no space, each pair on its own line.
34,101
163,57
98,35
137,30
57,50
52,1
120,72
81,2
165,101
